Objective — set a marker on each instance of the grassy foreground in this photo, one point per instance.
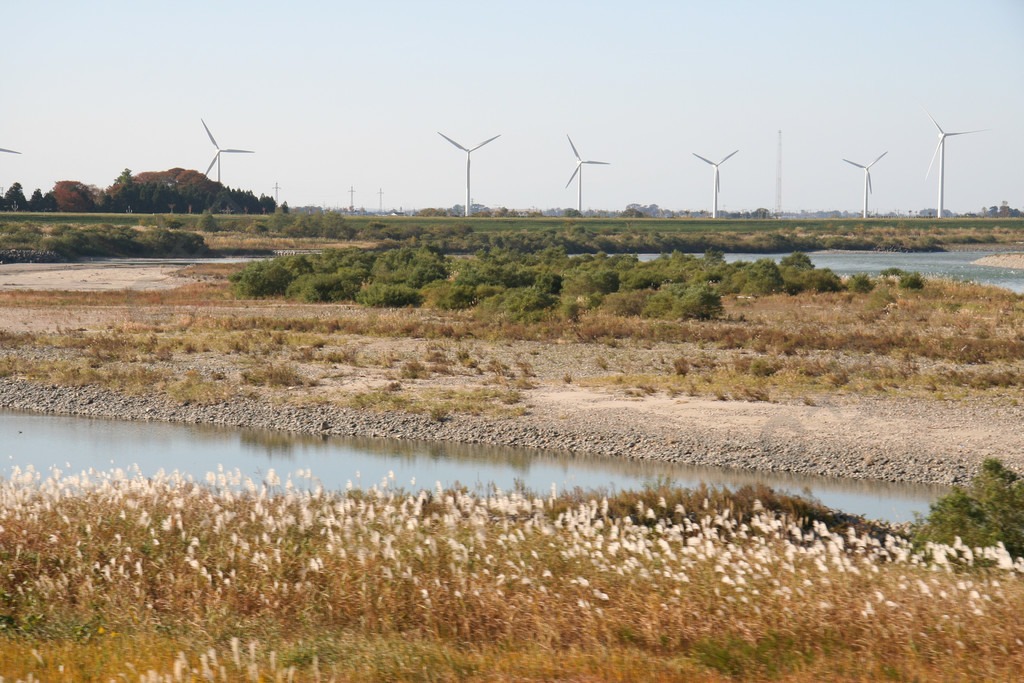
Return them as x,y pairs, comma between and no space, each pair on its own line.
108,576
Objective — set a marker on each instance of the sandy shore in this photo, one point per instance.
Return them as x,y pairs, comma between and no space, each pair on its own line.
1015,261
90,276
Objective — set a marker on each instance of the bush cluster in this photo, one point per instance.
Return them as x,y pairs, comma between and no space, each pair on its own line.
104,240
530,287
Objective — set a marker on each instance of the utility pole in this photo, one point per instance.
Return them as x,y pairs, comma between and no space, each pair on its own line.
380,195
351,201
778,180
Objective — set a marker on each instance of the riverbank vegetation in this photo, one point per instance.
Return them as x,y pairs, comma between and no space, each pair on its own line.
109,575
261,234
68,242
937,341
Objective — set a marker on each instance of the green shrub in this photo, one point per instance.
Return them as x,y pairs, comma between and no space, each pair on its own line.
626,304
817,280
797,260
449,297
911,281
989,511
583,282
761,277
342,286
860,283
383,295
522,304
207,223
680,302
261,279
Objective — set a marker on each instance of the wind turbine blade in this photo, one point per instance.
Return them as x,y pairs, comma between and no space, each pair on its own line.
452,141
718,181
485,142
878,159
238,151
573,176
707,161
574,152
210,167
9,151
210,134
968,132
942,139
604,163
854,163
933,120
868,174
727,158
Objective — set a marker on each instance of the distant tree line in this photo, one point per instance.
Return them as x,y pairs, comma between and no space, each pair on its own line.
173,191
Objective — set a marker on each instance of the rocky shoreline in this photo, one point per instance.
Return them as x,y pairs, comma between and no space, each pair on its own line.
768,450
30,256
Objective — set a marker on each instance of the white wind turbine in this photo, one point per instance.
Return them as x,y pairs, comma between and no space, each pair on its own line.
714,207
468,153
216,157
940,149
867,178
579,169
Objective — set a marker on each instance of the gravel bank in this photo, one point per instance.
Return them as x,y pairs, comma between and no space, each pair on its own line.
779,445
30,256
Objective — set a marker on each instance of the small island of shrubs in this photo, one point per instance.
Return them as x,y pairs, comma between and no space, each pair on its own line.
530,287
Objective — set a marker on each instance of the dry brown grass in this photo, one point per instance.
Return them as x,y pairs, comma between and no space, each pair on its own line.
109,575
948,341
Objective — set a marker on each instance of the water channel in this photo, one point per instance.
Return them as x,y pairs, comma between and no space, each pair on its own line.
74,444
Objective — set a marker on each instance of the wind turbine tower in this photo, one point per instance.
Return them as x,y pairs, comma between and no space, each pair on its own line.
380,196
579,170
216,157
867,179
468,153
714,207
940,150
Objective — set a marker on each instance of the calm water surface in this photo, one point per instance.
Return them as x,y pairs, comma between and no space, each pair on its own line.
75,444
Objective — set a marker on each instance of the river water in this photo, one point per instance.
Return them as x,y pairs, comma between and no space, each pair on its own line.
74,444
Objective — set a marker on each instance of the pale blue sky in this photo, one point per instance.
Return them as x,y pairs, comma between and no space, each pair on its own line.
338,94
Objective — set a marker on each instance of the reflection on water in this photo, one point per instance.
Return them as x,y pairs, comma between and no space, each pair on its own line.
76,444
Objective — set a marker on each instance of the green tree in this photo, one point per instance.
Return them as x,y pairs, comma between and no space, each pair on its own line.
989,511
14,199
